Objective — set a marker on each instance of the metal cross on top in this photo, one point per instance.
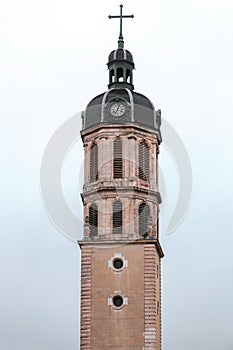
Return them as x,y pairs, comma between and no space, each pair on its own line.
121,41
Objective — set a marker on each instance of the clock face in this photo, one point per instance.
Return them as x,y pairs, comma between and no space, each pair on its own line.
117,109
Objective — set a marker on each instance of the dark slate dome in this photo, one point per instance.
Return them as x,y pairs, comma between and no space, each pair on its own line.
139,109
121,104
121,55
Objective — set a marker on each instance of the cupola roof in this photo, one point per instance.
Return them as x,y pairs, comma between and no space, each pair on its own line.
120,55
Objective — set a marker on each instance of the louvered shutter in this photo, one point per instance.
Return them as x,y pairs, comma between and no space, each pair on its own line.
94,163
93,220
144,213
117,160
117,217
143,161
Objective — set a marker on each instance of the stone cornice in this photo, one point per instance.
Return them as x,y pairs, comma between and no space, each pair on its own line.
127,190
108,128
108,243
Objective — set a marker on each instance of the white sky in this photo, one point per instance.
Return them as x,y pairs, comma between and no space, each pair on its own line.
53,56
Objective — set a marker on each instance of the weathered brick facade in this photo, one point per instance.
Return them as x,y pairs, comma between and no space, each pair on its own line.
137,324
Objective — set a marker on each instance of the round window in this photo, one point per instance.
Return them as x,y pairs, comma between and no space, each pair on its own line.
117,300
118,263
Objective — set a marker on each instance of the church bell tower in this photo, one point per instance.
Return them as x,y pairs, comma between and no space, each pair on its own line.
120,249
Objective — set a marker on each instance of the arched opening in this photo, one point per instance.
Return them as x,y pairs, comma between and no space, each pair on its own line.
117,217
143,161
143,214
93,220
111,76
129,76
117,159
94,163
120,75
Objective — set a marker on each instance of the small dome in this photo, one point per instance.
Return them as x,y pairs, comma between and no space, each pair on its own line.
121,66
121,55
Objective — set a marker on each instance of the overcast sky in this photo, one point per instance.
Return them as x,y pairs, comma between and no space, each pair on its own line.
53,62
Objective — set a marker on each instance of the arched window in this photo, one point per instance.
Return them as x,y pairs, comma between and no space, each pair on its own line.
143,214
143,161
94,163
117,159
117,217
93,220
120,76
